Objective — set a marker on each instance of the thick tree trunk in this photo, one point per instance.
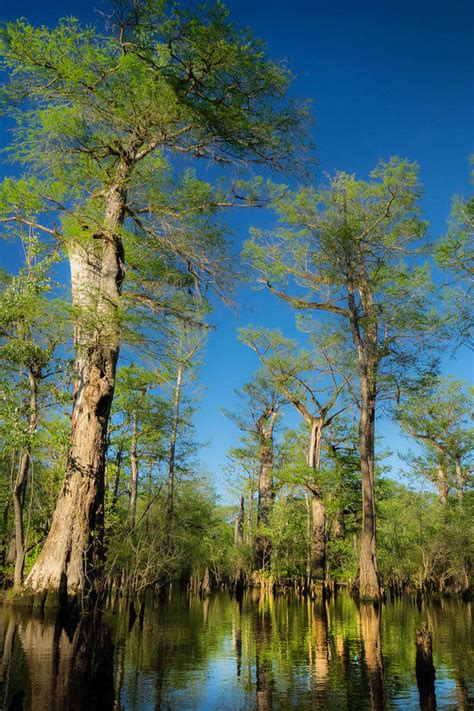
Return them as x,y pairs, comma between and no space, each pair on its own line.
265,494
368,579
72,554
132,509
21,482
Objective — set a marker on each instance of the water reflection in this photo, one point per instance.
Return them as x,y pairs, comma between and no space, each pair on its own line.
48,666
370,627
263,657
260,652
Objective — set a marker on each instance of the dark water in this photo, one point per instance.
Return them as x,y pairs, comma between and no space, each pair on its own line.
263,653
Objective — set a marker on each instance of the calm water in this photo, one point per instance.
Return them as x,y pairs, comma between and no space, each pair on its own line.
263,653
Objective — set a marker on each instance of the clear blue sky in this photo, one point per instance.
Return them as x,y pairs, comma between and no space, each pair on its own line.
385,78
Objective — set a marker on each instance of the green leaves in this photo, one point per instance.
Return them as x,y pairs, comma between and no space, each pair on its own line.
438,415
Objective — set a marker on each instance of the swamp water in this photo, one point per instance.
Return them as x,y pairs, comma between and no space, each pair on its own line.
263,652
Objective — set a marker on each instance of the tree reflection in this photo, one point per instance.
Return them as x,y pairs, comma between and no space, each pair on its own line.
318,650
263,655
45,667
288,652
370,628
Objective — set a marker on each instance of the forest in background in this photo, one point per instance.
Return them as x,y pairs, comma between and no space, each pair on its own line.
99,381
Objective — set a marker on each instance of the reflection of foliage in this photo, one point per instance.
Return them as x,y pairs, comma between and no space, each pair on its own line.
280,644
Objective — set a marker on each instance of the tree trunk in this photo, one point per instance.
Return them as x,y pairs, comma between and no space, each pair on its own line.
72,554
318,557
249,527
368,578
21,482
460,478
443,488
132,510
265,494
367,358
239,524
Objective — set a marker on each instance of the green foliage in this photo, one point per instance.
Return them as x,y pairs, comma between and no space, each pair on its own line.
422,543
355,245
455,255
438,416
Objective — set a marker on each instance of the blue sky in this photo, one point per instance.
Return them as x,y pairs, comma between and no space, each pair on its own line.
385,79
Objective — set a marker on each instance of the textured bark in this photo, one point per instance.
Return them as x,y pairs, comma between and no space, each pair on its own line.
443,488
72,554
19,487
239,524
265,489
318,557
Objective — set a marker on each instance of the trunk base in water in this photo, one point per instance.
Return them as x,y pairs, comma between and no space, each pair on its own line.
64,574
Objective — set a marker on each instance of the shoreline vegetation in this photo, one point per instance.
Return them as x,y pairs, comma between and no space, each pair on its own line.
135,142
